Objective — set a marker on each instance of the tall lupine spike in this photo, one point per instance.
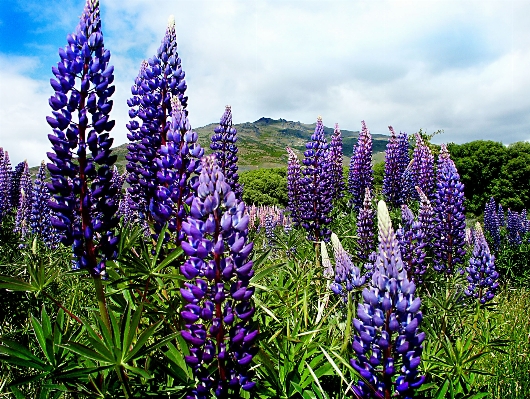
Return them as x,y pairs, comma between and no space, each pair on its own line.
361,174
24,203
491,223
160,79
178,165
84,202
501,216
347,275
315,192
449,231
426,216
225,149
326,261
412,246
40,216
482,276
365,228
335,163
513,228
387,338
524,223
218,313
294,176
16,175
423,168
394,168
5,179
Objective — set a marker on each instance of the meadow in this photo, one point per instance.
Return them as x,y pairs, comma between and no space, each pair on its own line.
176,277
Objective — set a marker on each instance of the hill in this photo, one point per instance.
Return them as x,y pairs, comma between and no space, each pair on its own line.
262,143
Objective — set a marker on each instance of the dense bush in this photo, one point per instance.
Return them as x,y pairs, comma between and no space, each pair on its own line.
265,186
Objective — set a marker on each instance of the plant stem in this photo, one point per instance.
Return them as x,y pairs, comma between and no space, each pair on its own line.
100,295
347,332
60,305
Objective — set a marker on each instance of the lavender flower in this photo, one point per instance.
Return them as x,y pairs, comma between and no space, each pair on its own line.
500,215
449,221
218,312
412,246
394,168
361,175
5,182
84,200
16,175
24,202
513,227
335,163
225,149
40,216
294,176
365,228
423,168
482,276
315,191
426,217
491,223
347,275
387,339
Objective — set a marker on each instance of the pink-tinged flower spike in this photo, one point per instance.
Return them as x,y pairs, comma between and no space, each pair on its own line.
482,276
22,225
361,174
84,199
423,168
294,176
365,228
388,341
335,164
225,149
449,232
218,314
347,275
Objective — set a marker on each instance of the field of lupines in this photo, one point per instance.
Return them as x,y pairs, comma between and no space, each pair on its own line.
160,282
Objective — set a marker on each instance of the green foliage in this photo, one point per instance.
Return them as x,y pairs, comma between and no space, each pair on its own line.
265,186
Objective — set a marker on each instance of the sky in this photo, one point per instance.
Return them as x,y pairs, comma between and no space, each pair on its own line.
459,66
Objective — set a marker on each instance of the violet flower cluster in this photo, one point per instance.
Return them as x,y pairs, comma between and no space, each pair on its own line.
218,312
360,174
423,168
411,237
225,149
347,275
335,163
84,201
513,228
365,228
41,214
14,187
24,202
315,191
387,341
491,223
160,79
5,183
449,221
482,276
395,165
294,176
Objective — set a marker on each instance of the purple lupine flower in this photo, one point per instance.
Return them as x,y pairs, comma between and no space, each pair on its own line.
387,339
482,276
361,175
178,164
491,223
294,177
412,246
160,79
315,191
449,231
40,216
218,312
84,201
225,149
513,228
5,183
347,275
426,216
365,228
524,222
470,236
423,168
394,168
16,175
127,210
24,203
335,163
500,215
270,225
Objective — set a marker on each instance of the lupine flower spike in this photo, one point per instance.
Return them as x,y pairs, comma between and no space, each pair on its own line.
423,168
492,224
84,200
40,217
347,275
361,175
482,276
335,163
365,228
394,168
5,180
294,176
218,313
22,223
387,338
412,245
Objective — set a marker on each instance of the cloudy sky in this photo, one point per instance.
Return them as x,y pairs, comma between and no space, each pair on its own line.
460,66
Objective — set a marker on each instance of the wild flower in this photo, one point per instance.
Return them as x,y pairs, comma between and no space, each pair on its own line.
423,168
294,177
24,202
394,168
360,174
492,224
40,215
347,275
365,228
335,163
412,245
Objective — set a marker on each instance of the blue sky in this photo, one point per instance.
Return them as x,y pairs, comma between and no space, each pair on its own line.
461,66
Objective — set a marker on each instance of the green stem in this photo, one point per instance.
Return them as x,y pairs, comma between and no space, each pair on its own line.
347,332
100,295
124,384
